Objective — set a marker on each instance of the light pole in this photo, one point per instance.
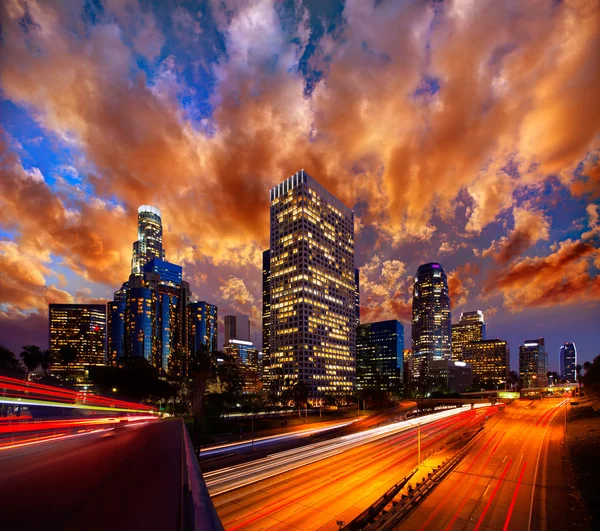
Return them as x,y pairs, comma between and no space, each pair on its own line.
252,404
419,444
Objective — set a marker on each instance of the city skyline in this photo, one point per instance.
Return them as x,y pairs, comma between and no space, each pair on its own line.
508,205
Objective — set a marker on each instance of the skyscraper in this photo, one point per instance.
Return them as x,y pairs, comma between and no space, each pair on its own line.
237,327
380,355
148,314
149,242
567,359
357,296
431,318
266,313
312,288
533,363
490,360
115,313
202,326
471,327
82,327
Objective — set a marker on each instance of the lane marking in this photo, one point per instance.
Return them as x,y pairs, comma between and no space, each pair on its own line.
514,497
487,506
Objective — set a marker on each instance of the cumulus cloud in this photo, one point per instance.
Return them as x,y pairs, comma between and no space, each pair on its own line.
563,277
413,104
460,281
530,226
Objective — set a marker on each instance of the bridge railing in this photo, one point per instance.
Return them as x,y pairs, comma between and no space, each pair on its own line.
198,511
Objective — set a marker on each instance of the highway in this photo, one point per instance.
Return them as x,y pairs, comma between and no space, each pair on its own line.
316,485
512,479
114,479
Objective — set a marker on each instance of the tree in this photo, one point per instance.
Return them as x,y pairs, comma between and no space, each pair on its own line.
578,372
32,358
46,361
591,380
200,368
8,360
67,354
296,393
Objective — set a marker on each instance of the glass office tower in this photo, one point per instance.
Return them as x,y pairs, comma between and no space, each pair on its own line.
431,318
202,326
533,363
116,327
380,355
149,242
312,289
490,359
567,361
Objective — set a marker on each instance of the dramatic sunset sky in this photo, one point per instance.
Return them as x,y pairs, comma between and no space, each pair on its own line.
465,132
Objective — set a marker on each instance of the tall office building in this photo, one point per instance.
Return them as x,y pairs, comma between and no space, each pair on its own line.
490,360
237,327
567,360
533,363
147,318
380,355
155,316
202,326
312,289
266,313
431,318
357,296
81,327
408,367
246,356
471,327
149,242
115,313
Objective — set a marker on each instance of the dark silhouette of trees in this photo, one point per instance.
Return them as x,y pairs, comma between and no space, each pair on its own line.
32,358
8,361
46,361
296,393
591,380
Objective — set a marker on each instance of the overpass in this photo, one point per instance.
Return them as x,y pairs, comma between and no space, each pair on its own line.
94,462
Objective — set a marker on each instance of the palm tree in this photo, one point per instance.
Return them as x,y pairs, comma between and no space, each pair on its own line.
578,372
7,359
32,358
46,361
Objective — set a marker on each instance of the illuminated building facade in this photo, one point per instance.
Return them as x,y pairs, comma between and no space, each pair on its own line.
431,319
450,375
149,242
147,318
237,327
490,360
246,356
471,327
81,327
408,366
266,313
115,313
567,359
357,296
380,355
202,326
533,363
312,289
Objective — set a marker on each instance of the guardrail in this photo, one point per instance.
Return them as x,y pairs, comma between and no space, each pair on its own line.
197,510
402,508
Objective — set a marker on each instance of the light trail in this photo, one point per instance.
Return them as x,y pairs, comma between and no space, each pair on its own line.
343,474
50,438
227,479
214,450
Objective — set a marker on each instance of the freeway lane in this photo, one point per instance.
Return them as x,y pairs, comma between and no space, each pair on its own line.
115,480
227,479
336,488
493,487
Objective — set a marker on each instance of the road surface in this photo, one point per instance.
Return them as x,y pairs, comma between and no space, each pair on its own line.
116,480
511,477
338,487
